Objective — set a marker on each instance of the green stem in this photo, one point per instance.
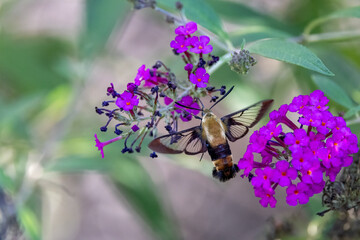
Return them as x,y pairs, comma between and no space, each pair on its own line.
330,37
225,58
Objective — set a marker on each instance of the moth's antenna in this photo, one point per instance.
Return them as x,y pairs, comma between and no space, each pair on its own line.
222,97
201,156
202,105
188,106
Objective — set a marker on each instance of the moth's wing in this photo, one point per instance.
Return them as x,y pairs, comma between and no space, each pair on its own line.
238,123
188,141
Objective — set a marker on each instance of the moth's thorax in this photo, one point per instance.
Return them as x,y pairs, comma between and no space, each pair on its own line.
213,129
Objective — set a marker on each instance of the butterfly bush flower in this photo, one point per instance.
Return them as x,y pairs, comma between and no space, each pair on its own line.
127,101
157,95
200,78
301,159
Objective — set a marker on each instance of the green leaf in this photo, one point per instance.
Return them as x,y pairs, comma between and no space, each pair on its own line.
353,12
28,64
101,19
77,163
244,15
30,223
333,91
352,111
254,33
200,12
289,52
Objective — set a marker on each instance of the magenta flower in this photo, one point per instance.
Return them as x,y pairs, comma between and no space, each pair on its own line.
154,79
200,78
263,178
267,196
200,45
127,101
312,173
323,144
318,101
180,44
296,140
285,173
188,29
298,103
297,194
101,145
142,74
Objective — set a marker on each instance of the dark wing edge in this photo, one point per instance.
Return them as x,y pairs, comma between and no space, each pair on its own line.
188,141
238,123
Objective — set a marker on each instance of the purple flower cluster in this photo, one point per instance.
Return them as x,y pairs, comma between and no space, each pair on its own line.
298,159
186,44
183,41
138,110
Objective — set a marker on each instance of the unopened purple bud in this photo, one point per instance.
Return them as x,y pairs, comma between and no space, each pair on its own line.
188,67
135,128
98,111
131,87
154,89
214,98
168,128
201,63
103,129
118,131
153,155
210,88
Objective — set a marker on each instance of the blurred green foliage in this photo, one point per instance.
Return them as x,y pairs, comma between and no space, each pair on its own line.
40,88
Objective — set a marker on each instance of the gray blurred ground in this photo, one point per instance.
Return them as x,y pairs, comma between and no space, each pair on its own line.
91,208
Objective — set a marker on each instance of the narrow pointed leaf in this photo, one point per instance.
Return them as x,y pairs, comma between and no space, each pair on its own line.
289,52
333,91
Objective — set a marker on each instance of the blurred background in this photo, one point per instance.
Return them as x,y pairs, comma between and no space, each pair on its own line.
57,59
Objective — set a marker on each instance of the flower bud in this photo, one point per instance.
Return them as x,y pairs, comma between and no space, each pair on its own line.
242,61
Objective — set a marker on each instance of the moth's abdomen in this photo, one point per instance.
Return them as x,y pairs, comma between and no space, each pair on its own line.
222,159
224,169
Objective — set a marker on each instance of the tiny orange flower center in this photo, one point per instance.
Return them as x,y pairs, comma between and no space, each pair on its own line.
335,144
182,45
268,195
296,192
199,79
128,103
265,177
329,156
301,160
309,172
323,124
200,47
297,141
272,133
337,128
310,120
318,107
283,174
